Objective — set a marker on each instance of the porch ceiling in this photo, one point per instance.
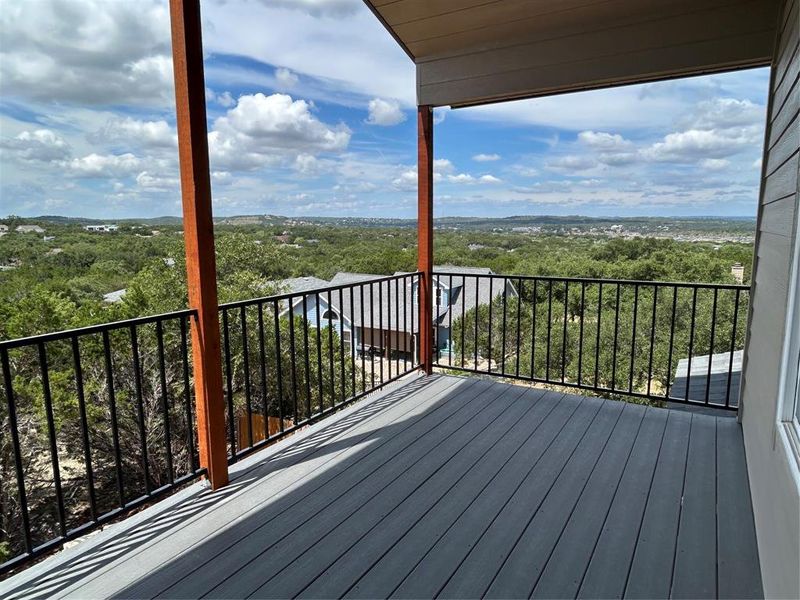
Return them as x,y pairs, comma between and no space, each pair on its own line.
477,51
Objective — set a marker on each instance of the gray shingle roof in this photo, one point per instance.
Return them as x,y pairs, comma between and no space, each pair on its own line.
389,304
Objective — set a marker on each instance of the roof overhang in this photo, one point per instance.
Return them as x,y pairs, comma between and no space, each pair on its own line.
478,51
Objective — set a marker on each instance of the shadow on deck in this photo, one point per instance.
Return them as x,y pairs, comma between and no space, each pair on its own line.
450,487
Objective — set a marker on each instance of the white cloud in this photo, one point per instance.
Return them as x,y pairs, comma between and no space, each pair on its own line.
384,113
336,9
570,163
87,52
103,166
407,180
307,164
39,145
285,79
603,141
265,130
693,144
158,134
360,59
442,166
155,182
715,164
486,157
489,179
725,113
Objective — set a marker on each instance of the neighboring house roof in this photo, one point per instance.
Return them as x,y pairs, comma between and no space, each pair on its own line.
719,380
343,277
301,284
388,304
115,296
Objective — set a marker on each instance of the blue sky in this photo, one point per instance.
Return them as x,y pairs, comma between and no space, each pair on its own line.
311,112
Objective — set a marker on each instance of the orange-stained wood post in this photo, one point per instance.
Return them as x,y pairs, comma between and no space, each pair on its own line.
198,230
425,234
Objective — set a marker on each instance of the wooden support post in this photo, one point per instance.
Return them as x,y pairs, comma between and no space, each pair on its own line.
198,230
425,234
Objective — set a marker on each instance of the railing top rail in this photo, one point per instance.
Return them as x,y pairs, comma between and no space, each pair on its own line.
312,291
682,284
92,329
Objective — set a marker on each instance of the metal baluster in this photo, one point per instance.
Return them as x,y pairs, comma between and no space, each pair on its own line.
505,321
491,302
671,338
353,339
246,367
362,338
463,299
372,332
597,339
436,334
164,400
187,397
533,327
477,305
405,323
330,351
711,344
633,335
226,343
519,322
320,379
549,326
387,352
278,361
112,407
397,324
564,334
691,343
733,346
87,449
652,339
307,360
341,345
580,335
18,468
293,364
137,378
616,336
262,351
450,323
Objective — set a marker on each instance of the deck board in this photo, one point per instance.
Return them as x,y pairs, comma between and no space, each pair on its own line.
443,530
450,487
607,571
561,577
694,574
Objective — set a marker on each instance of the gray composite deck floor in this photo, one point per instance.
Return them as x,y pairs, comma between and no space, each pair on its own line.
448,487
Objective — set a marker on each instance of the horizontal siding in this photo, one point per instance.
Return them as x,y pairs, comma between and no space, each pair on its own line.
781,183
778,216
785,146
774,494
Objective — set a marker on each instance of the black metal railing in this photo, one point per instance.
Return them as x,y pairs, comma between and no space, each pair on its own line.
292,358
659,341
95,421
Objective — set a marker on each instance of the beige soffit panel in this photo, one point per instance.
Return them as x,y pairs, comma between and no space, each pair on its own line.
476,51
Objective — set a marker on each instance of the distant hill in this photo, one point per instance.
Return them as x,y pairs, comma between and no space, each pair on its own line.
474,223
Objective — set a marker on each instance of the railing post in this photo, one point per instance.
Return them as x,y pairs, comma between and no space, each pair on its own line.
425,234
198,227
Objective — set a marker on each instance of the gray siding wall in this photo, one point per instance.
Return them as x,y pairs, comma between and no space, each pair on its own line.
774,487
